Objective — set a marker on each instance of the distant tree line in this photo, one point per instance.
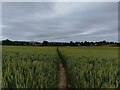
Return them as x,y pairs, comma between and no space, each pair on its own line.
71,43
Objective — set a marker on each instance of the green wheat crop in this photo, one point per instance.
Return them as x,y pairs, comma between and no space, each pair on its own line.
29,67
91,67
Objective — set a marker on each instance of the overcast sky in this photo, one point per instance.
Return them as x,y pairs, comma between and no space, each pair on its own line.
60,21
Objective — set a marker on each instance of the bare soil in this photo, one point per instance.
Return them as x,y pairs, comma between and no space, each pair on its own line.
62,78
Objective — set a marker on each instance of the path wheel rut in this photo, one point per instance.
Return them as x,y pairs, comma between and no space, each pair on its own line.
62,75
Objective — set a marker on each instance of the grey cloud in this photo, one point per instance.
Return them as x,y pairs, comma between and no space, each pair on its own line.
60,21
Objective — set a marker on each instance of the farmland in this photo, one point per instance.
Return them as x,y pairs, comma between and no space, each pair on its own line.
37,67
0,65
29,67
89,67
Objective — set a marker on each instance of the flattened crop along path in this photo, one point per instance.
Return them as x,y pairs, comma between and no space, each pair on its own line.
62,73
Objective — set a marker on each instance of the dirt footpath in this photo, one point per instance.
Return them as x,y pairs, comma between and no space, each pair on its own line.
62,78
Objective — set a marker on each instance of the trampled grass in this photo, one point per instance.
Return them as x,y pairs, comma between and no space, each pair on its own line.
91,67
29,67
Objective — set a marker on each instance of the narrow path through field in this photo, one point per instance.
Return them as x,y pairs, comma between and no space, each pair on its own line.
62,74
